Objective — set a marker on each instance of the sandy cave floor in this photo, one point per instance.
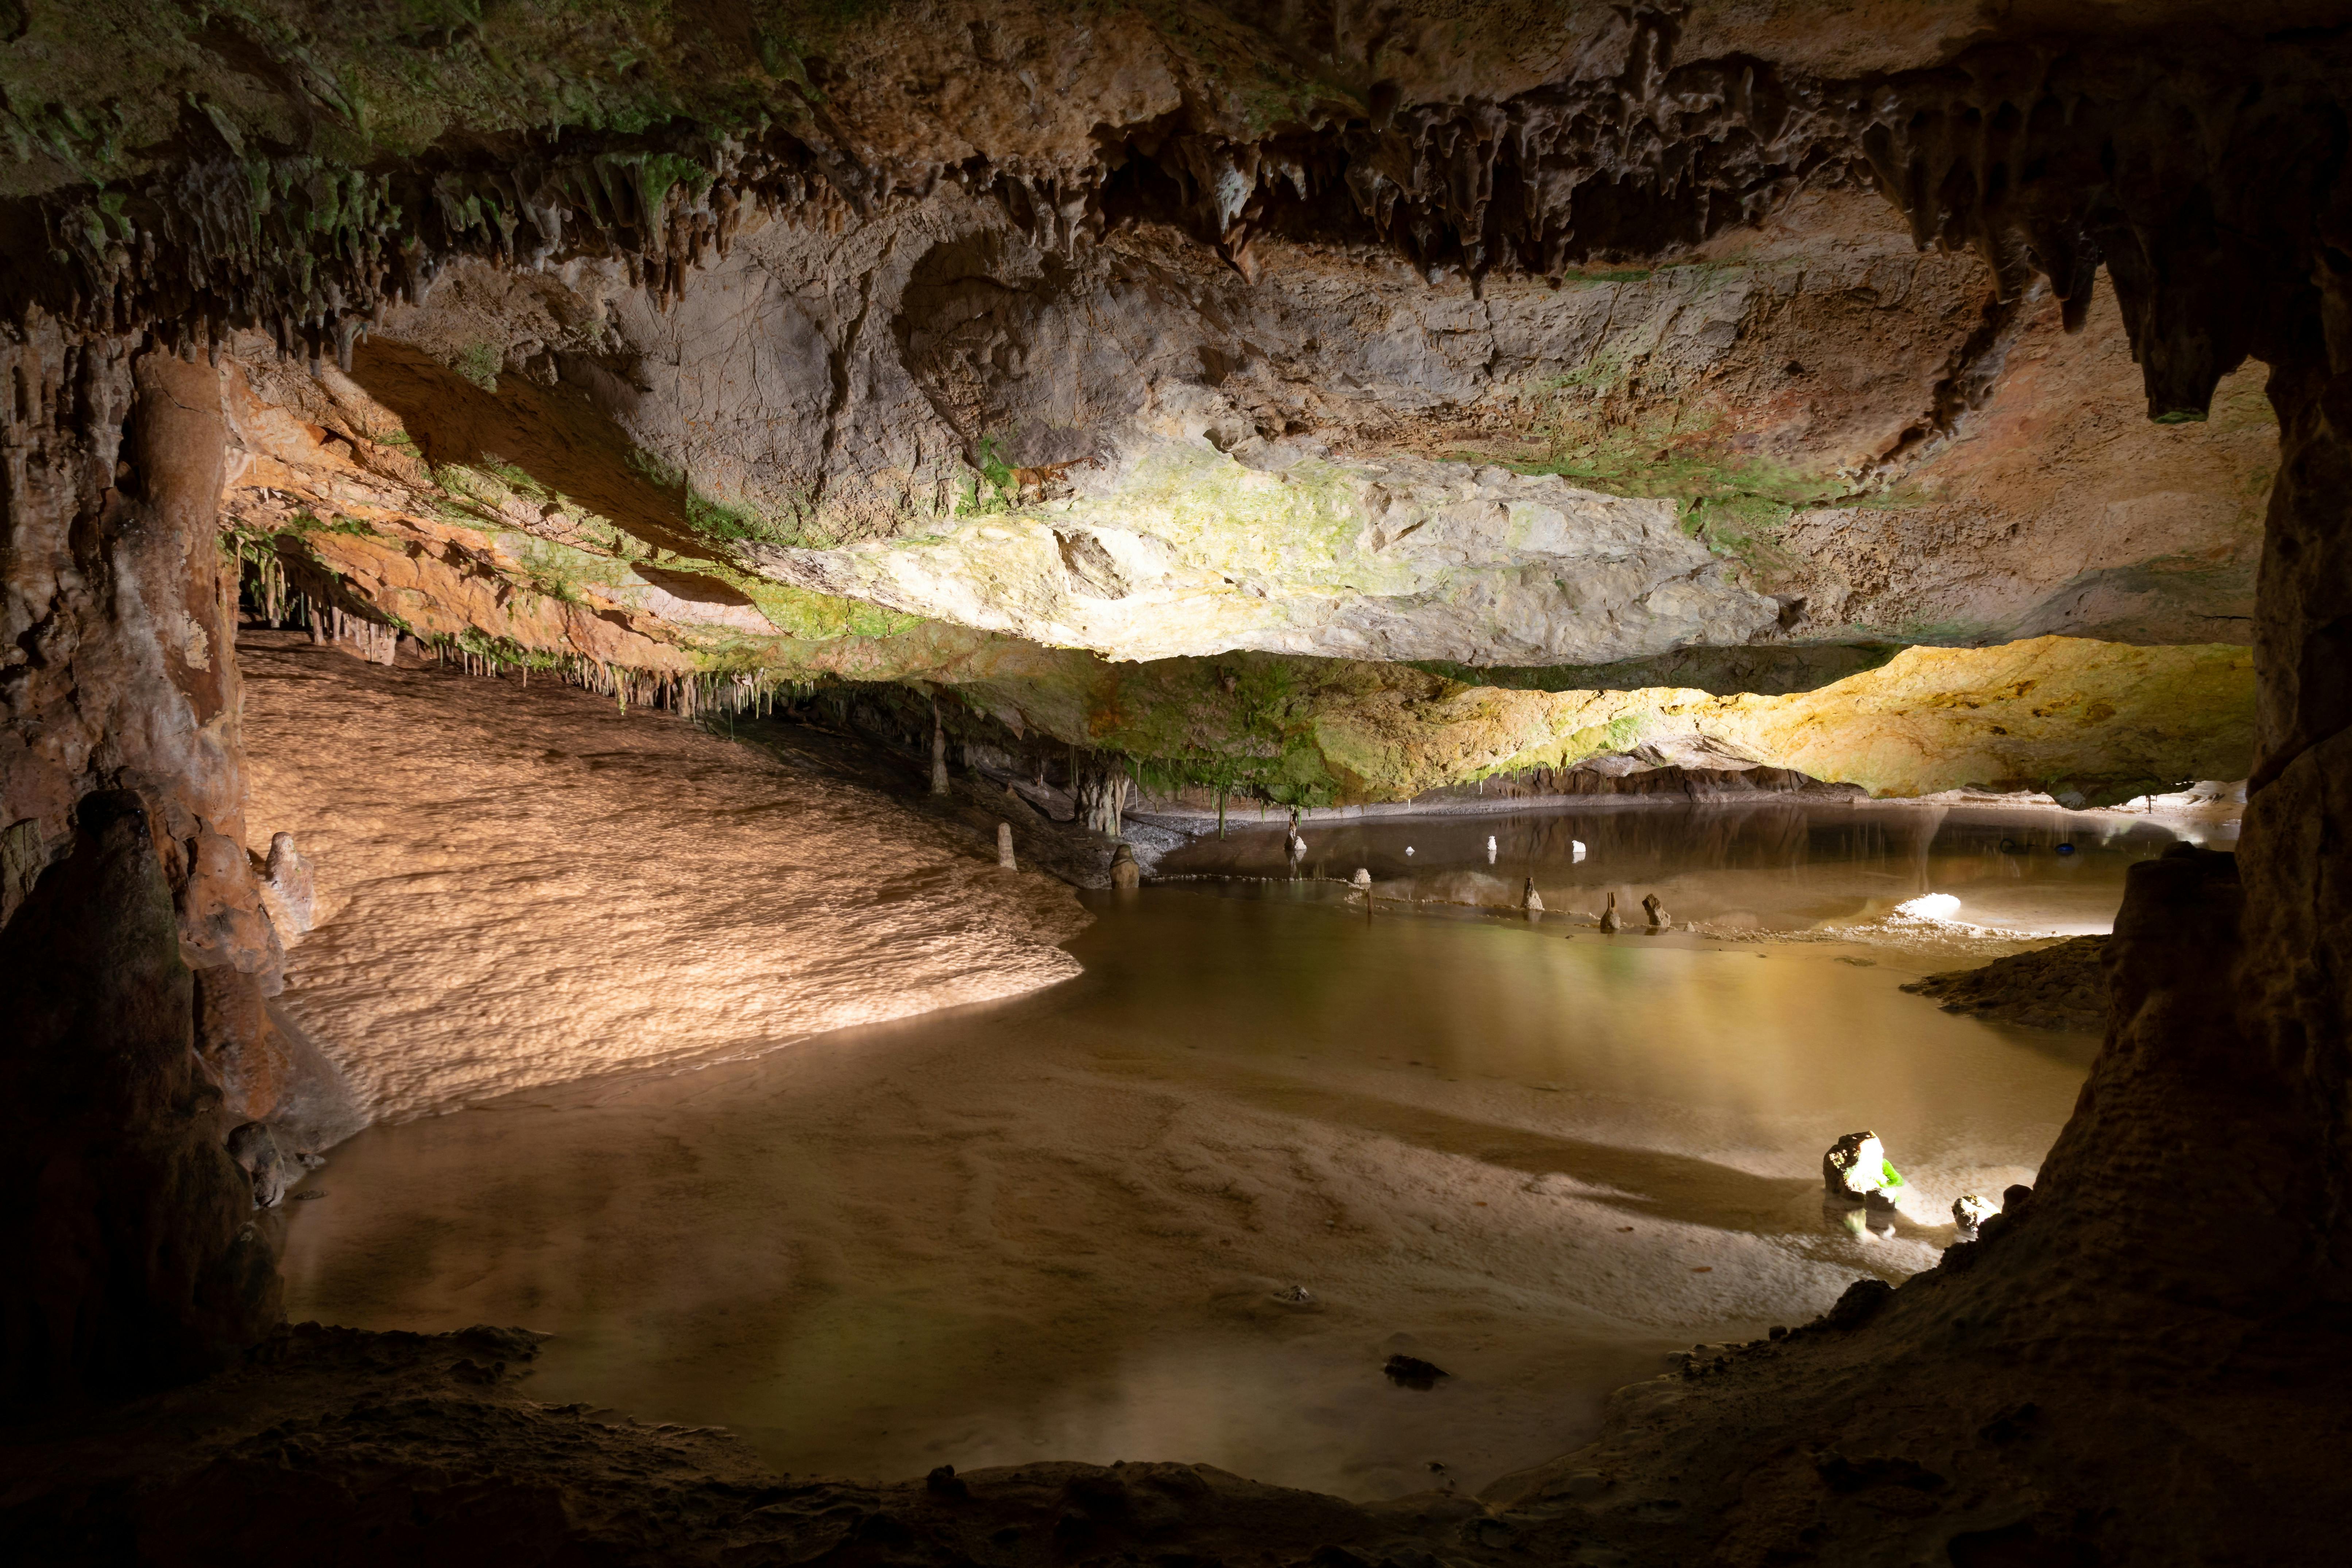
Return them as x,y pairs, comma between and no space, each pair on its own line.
523,885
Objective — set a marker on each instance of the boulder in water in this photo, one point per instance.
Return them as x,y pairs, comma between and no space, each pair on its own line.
1656,911
1609,920
1530,900
1412,1372
1363,879
1125,874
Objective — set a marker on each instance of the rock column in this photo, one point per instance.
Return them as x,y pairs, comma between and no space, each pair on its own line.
120,763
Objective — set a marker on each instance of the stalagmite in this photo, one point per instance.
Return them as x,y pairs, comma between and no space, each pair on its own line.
1529,900
1125,874
288,880
1609,920
1490,850
1657,909
1005,846
939,751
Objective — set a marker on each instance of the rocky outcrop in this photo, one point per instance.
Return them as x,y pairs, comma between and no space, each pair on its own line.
136,1254
2061,986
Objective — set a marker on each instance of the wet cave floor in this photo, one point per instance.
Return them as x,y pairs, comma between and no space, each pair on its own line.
1077,1224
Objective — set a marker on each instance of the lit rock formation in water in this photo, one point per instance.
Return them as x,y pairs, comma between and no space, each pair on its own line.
1318,404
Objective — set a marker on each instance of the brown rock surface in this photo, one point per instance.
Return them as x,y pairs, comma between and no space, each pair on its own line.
521,885
135,1255
2061,986
382,1449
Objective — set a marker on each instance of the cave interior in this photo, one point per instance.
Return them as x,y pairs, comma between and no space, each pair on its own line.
1122,423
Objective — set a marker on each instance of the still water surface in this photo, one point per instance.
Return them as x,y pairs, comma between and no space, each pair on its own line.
1070,1226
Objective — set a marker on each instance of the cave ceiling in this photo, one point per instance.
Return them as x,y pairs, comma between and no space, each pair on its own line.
1727,346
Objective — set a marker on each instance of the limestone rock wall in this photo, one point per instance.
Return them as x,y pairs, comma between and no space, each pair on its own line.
139,957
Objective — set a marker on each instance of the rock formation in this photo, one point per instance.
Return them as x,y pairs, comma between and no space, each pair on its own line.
1162,385
137,1256
2061,986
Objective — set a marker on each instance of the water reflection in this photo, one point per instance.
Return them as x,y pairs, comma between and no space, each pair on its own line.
1076,1224
1771,865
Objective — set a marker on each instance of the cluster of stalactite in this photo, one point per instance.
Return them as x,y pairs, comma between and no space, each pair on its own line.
692,694
1659,156
265,594
2049,158
311,253
2196,195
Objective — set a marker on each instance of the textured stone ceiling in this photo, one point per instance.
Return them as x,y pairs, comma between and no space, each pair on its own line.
1534,344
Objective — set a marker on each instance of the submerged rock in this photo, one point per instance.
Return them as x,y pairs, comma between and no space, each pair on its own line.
1412,1372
